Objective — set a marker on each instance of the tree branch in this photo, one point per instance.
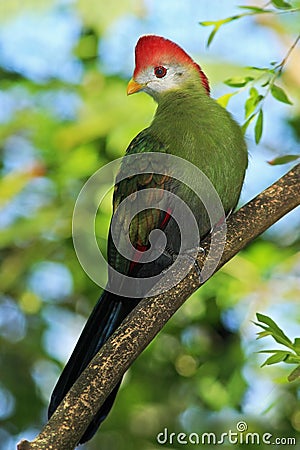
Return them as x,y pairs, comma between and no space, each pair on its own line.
72,417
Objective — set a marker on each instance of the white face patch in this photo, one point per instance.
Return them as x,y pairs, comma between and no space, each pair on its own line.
176,75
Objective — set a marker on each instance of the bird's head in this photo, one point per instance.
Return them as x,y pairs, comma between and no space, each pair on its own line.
162,66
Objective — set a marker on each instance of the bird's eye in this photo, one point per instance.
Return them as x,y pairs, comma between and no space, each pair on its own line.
160,71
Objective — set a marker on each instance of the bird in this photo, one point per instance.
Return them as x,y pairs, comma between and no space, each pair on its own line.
190,124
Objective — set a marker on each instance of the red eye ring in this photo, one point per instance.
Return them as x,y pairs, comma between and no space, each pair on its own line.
160,71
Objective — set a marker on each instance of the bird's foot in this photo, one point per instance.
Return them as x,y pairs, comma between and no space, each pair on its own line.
191,254
196,251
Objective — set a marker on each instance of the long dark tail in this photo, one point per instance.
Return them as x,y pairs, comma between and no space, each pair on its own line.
106,316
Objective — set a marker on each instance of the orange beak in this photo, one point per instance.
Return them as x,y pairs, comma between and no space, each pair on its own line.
133,87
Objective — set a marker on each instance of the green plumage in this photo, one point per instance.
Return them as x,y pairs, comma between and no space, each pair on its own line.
189,124
195,127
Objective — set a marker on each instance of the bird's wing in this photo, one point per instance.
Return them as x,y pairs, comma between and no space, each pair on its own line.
150,216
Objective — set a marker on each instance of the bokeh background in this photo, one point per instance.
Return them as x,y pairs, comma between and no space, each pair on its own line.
64,65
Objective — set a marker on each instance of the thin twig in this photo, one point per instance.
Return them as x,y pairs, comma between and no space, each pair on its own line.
285,59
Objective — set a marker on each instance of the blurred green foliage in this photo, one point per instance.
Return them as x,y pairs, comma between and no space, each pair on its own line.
198,375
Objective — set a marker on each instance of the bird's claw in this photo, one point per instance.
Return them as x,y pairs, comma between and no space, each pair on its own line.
192,254
196,264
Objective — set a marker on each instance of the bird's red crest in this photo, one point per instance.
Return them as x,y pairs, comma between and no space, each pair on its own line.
156,50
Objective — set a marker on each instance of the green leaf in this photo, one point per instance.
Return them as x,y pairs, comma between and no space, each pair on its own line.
297,345
253,100
253,8
238,81
250,104
260,69
273,351
265,319
279,356
212,35
217,24
295,374
277,333
283,160
224,99
258,129
253,92
271,324
281,4
262,334
279,94
208,23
